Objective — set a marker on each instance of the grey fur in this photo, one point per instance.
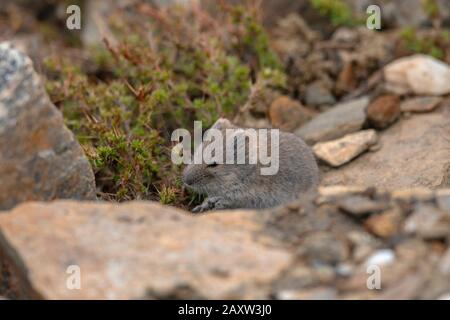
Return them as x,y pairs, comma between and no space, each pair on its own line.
242,186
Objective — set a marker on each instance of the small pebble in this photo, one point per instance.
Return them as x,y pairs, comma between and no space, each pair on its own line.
381,257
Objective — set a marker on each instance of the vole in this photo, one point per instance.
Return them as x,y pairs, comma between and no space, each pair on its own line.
229,186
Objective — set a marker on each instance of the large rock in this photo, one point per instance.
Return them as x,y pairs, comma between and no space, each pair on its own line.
343,118
313,248
39,157
418,74
137,250
414,152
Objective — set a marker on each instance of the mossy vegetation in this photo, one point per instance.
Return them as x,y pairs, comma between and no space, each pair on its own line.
339,12
145,85
432,44
431,9
434,40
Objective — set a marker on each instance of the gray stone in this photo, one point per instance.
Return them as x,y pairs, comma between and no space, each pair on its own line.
443,200
428,222
358,206
420,104
325,248
39,157
340,120
317,95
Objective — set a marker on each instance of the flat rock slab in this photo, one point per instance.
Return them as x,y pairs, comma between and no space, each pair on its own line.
414,152
137,250
341,119
420,104
340,151
39,157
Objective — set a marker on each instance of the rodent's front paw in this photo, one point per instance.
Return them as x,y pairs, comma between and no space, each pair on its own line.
200,208
213,203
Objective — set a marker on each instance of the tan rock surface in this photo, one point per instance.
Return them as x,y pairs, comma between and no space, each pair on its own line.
304,250
138,250
340,151
414,152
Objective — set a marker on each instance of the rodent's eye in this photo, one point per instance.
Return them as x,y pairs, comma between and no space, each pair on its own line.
211,165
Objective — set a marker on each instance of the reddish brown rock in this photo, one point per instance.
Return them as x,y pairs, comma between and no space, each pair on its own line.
288,114
317,94
383,111
384,225
346,81
39,157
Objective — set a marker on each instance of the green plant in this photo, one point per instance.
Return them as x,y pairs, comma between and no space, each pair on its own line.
339,12
252,39
167,195
186,72
431,8
431,45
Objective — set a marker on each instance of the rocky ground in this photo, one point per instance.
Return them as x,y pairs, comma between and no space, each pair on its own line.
317,248
379,126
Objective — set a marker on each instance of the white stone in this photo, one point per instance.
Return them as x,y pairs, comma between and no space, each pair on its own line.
418,74
381,257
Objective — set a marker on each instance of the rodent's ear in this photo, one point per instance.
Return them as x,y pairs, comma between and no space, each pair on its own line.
222,123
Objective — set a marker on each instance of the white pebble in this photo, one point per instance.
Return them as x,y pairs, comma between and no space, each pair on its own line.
381,257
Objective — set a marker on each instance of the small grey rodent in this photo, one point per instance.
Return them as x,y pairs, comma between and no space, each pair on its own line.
242,186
